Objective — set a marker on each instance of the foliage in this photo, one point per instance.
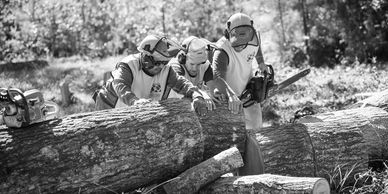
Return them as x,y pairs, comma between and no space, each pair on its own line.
347,29
337,30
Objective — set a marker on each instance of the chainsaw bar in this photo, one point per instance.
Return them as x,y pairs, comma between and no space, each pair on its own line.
274,90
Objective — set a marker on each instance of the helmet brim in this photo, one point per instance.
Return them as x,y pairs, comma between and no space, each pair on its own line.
167,48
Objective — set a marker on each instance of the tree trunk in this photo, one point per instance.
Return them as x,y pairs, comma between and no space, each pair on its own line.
124,149
348,139
222,130
196,177
267,183
118,149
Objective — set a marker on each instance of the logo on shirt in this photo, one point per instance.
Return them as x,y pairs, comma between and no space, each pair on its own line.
156,88
250,57
156,91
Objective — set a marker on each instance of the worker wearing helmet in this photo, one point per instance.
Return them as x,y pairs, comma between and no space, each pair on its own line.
145,76
193,63
236,60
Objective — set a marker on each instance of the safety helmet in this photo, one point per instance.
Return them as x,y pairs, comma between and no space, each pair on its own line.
158,45
240,31
195,50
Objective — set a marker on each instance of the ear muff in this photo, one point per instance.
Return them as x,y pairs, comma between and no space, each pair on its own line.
182,58
147,61
226,32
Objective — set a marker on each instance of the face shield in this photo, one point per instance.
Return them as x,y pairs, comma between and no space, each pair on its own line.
166,48
243,36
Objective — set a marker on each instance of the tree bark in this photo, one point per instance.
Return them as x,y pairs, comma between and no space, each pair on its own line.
222,130
267,183
117,149
124,149
196,177
96,152
348,139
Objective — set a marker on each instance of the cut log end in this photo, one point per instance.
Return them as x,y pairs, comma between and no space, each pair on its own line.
267,183
321,186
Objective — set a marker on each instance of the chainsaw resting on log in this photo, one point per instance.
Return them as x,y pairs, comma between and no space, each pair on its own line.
18,109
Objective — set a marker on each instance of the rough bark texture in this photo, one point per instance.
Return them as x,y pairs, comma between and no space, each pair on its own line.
267,183
194,178
319,145
120,149
222,130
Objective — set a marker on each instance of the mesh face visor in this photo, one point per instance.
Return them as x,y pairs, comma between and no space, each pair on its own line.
243,35
167,48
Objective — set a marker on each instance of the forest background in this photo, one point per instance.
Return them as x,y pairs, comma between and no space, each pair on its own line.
344,42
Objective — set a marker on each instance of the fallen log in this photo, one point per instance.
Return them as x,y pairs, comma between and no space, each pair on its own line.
123,149
348,138
267,183
118,149
194,178
111,150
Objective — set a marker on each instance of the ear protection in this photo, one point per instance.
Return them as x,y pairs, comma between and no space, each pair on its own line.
183,55
148,61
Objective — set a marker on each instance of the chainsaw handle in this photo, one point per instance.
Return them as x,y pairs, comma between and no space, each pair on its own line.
50,110
24,104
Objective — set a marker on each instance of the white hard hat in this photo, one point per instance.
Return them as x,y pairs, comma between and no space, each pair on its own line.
196,49
240,30
153,43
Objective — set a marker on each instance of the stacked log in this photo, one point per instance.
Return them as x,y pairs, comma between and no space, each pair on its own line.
196,177
320,144
124,149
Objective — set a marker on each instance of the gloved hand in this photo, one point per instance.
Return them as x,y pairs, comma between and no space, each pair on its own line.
141,101
208,100
234,103
218,96
199,106
129,98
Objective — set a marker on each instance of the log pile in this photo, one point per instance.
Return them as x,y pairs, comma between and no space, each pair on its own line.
124,149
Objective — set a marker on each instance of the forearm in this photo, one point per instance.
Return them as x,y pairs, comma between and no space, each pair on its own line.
122,82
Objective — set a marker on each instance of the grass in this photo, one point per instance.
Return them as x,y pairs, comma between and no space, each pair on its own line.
322,90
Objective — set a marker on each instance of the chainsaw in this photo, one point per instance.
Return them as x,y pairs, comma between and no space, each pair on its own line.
18,109
260,88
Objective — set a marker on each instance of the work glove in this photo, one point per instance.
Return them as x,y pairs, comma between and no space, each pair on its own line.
199,106
218,96
208,100
129,98
141,101
234,103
